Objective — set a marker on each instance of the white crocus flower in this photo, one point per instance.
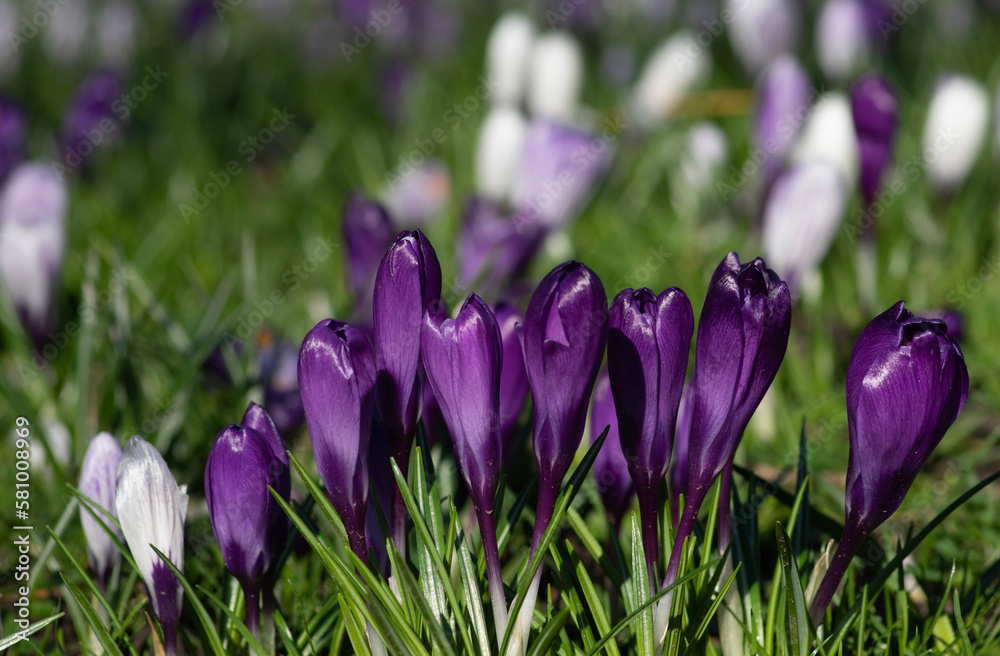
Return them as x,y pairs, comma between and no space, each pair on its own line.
677,66
97,483
151,508
829,136
498,153
507,52
556,77
955,131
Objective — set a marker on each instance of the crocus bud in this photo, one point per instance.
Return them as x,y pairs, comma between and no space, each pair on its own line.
706,151
782,99
13,133
560,168
507,53
337,380
829,136
906,384
151,508
563,337
367,233
678,481
463,358
648,342
803,212
498,153
843,38
97,483
258,419
874,107
491,250
954,132
240,468
760,31
953,320
32,243
669,74
555,77
513,376
742,336
610,469
383,483
85,125
419,196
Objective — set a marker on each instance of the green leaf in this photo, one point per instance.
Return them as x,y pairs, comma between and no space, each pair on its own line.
640,590
473,593
18,636
797,623
107,642
238,624
549,633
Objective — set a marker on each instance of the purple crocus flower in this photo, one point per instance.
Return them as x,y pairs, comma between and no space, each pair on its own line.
337,379
91,120
679,471
384,483
563,337
407,284
610,469
32,244
97,483
782,100
648,344
953,320
906,384
742,336
13,132
151,508
843,37
875,108
194,16
258,419
367,232
241,467
490,249
513,376
463,358
561,167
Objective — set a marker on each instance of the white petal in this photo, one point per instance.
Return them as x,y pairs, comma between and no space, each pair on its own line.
829,136
556,77
498,152
676,66
955,131
507,53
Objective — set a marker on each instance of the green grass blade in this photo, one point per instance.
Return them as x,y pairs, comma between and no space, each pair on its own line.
238,624
206,621
17,637
107,642
797,621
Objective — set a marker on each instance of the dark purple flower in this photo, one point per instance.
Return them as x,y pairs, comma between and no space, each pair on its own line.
906,384
490,249
563,338
560,169
782,100
337,380
91,119
875,109
742,336
194,16
395,84
463,357
240,468
383,483
259,420
513,376
648,344
367,232
13,133
431,416
610,469
953,319
678,482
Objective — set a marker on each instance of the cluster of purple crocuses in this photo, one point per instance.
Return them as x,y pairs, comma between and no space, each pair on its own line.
363,398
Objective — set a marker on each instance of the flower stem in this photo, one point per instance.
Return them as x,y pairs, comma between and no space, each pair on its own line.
398,511
648,514
662,610
267,613
252,596
850,541
491,552
543,516
723,526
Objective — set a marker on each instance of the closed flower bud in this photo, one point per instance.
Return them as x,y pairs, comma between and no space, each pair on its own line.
843,38
337,381
463,358
97,483
560,168
498,152
513,376
32,243
648,343
803,213
875,108
670,73
367,232
151,508
91,120
954,132
610,469
782,99
760,31
706,151
906,384
241,467
258,419
507,53
829,136
492,249
555,77
678,482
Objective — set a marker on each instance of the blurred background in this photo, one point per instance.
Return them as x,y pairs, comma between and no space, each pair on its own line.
177,177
